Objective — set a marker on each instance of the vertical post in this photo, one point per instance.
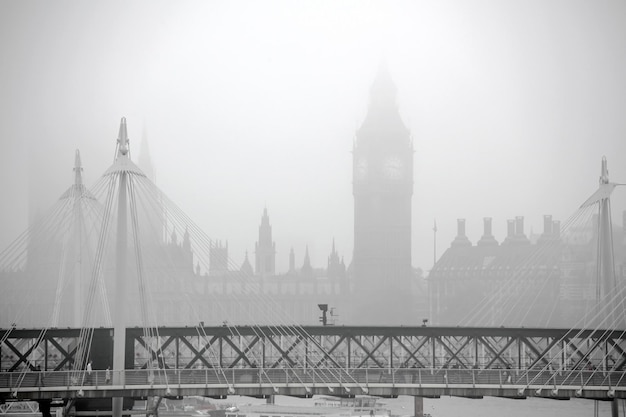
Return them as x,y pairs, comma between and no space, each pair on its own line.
435,243
418,404
476,360
606,278
177,346
433,362
119,326
431,285
78,283
349,362
263,352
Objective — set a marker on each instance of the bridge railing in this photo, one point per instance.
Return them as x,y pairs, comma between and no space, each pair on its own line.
101,379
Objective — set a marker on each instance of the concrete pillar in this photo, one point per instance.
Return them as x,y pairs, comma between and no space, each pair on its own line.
418,406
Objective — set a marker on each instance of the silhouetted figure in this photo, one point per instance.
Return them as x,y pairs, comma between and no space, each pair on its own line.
39,378
44,408
255,375
89,370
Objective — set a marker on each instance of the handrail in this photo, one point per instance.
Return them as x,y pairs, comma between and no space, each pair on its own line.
367,377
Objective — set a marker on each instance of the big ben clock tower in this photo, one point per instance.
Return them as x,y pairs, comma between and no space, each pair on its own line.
382,188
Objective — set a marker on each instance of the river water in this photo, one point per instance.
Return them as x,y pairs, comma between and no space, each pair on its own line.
463,407
502,407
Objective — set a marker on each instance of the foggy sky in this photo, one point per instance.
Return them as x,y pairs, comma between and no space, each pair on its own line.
246,105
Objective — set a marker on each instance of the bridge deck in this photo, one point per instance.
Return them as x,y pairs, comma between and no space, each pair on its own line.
511,383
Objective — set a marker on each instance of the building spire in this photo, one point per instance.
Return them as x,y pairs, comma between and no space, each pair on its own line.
383,91
246,267
306,265
383,123
265,248
292,260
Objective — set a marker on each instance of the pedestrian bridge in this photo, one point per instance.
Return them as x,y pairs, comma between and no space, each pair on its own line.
325,360
472,383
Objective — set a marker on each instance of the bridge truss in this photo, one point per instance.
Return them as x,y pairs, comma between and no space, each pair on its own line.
386,361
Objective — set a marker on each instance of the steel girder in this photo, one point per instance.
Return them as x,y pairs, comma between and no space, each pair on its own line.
380,347
327,347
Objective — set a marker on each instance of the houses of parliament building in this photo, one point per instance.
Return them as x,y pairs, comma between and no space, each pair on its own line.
379,286
193,280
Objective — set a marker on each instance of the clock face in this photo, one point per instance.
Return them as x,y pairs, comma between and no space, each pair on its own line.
360,168
393,168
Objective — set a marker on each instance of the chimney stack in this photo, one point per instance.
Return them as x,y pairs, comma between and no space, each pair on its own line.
515,231
487,239
460,240
547,225
487,226
510,228
519,226
460,227
520,237
556,229
510,231
548,229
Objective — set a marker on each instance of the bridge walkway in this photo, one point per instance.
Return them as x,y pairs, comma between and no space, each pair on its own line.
302,382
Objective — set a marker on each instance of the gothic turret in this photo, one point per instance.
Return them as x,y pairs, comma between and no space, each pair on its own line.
307,269
336,267
292,261
246,267
265,248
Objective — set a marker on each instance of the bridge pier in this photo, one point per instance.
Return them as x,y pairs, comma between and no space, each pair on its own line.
418,406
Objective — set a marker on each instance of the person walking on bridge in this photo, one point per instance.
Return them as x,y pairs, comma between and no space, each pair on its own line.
89,370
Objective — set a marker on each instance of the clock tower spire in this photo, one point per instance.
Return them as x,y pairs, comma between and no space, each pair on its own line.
382,189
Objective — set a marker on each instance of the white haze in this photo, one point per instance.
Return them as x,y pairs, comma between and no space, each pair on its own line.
247,105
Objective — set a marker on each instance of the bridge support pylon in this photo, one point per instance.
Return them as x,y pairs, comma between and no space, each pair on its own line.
119,329
418,406
615,407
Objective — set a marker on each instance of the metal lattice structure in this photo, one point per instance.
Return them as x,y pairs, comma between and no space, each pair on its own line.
262,361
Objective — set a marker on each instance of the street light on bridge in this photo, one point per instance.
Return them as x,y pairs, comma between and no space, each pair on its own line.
324,309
